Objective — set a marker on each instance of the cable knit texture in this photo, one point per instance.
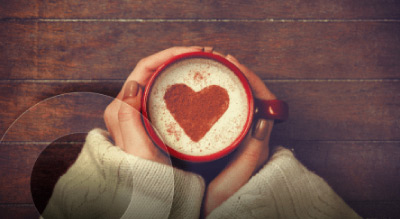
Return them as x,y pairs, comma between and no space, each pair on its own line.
284,188
105,182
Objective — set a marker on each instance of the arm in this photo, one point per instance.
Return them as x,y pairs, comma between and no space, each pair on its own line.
284,188
134,177
106,182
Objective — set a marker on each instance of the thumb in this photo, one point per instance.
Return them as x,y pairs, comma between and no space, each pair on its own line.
253,152
134,137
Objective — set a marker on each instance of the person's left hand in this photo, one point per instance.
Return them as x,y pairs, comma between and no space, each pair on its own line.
122,116
251,155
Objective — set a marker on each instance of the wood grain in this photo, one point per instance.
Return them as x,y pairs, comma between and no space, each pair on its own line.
19,97
34,168
364,167
376,209
360,172
293,50
335,62
60,116
224,9
339,110
318,110
357,171
59,155
18,211
365,209
16,166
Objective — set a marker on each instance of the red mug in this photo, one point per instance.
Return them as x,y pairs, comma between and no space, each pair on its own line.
268,109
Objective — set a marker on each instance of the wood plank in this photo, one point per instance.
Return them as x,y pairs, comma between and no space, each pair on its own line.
318,110
289,50
374,209
19,97
339,110
29,171
362,173
355,170
60,116
364,209
226,9
18,211
52,163
16,166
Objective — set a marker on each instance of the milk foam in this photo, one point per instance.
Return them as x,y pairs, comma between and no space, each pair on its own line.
198,73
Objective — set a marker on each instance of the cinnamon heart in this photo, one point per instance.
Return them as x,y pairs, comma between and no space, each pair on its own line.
196,112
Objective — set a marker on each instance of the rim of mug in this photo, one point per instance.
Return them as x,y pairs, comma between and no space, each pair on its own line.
201,158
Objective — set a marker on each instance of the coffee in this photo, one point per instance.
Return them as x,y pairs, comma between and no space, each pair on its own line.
198,106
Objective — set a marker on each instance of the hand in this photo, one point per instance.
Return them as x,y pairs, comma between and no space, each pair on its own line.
122,116
252,153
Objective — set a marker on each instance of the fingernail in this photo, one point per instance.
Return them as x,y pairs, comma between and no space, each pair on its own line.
131,89
260,130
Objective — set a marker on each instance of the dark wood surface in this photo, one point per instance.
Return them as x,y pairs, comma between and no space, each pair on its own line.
335,62
292,50
320,110
230,9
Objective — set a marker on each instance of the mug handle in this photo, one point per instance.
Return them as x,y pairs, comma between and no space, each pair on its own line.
277,110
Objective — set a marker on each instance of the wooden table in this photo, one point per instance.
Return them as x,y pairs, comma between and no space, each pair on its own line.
337,64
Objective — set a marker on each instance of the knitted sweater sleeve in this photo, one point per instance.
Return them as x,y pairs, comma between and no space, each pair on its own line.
106,182
284,188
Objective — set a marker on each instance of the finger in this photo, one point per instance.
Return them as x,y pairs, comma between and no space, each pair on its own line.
208,49
259,89
146,67
243,165
218,53
134,137
253,153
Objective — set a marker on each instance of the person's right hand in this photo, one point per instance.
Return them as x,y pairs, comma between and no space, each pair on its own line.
122,116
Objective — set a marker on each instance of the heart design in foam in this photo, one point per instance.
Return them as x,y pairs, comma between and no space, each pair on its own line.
196,112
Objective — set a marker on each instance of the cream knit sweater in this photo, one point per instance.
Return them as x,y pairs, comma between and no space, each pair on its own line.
105,182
